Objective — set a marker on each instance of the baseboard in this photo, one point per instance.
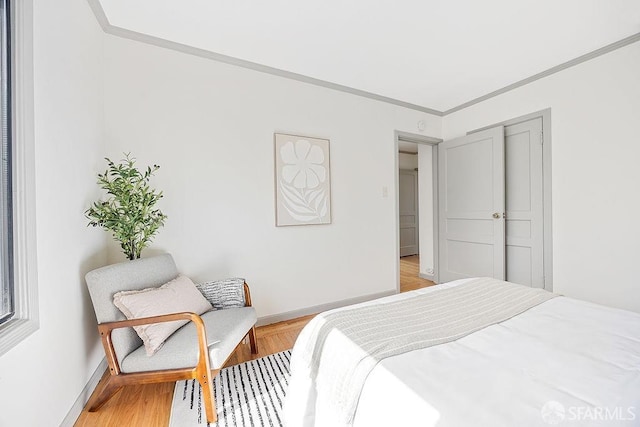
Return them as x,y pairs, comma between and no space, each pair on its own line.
76,409
427,276
281,317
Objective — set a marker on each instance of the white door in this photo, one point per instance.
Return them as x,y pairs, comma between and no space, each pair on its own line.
524,203
471,203
408,207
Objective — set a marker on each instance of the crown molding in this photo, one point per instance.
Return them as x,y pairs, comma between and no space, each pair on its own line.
108,28
203,53
576,61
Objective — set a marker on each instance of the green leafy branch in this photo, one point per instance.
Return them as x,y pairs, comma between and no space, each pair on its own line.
129,212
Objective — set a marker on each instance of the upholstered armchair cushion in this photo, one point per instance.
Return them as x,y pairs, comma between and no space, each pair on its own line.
225,328
176,296
222,294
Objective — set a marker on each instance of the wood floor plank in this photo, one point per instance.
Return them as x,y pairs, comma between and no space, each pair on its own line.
410,274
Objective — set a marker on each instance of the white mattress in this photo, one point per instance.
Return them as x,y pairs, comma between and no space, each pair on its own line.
575,362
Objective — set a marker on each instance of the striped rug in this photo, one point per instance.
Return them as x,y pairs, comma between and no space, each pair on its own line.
248,394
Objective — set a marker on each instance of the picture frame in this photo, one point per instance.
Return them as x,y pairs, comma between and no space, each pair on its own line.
302,180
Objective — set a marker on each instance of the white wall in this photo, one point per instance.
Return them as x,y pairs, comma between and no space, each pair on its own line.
425,207
41,378
595,108
407,161
210,127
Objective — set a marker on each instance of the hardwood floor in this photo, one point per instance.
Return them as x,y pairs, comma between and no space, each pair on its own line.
149,405
410,274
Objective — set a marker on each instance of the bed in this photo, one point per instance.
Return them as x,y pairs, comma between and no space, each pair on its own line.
559,361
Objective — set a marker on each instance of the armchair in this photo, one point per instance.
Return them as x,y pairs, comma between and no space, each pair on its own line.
198,350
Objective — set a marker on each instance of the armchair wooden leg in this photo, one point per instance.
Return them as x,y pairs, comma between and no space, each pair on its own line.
253,341
107,392
209,397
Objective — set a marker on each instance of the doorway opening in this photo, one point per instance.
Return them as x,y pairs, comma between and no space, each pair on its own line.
416,210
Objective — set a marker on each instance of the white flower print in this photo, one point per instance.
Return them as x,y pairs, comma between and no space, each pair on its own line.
303,179
303,164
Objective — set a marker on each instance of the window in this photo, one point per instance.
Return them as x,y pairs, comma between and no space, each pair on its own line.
7,309
18,251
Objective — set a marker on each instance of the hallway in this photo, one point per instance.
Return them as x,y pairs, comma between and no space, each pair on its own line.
409,274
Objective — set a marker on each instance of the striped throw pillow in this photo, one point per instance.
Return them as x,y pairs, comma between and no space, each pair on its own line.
227,293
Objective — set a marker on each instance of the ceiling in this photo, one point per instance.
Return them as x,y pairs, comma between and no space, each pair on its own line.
433,54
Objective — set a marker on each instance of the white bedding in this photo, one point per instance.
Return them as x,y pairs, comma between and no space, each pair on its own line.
562,355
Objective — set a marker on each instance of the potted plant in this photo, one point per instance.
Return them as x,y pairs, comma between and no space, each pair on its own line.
129,211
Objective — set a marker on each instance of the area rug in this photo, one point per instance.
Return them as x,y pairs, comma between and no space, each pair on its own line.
248,394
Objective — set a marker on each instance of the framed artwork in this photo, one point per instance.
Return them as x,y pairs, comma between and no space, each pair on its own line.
302,179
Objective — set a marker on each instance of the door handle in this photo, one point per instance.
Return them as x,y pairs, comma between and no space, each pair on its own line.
496,215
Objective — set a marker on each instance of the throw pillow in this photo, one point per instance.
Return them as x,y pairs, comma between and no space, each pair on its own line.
223,294
178,295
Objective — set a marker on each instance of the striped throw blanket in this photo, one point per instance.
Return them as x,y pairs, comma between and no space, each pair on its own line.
375,332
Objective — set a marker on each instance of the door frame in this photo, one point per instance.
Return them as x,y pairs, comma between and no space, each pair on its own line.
433,142
547,236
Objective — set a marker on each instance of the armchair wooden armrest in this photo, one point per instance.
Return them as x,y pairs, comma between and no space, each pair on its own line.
253,340
105,330
201,372
247,295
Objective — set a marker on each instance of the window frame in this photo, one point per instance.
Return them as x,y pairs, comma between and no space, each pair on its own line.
7,305
25,320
